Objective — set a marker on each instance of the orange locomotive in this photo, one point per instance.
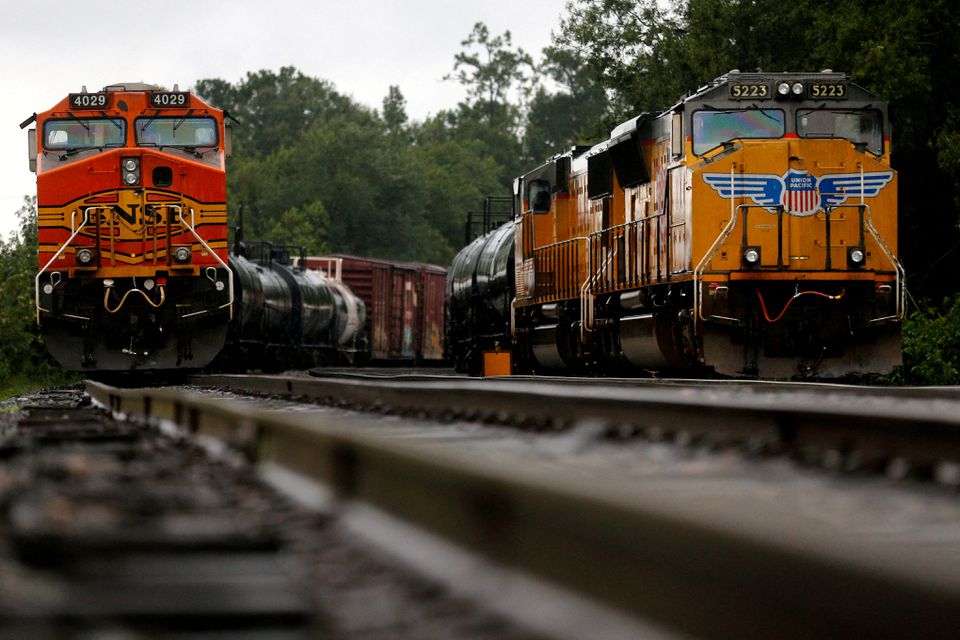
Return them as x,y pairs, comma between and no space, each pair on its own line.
132,227
751,229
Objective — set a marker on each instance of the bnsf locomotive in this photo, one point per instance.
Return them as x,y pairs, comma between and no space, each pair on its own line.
750,229
134,272
132,227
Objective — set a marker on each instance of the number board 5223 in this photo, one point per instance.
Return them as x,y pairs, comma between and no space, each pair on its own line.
749,90
169,99
835,90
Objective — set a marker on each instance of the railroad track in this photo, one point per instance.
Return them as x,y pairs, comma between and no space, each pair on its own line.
643,562
110,527
903,432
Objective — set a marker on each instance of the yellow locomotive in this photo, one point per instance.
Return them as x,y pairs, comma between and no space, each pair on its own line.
751,229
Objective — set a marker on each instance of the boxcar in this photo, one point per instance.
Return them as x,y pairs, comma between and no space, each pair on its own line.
404,300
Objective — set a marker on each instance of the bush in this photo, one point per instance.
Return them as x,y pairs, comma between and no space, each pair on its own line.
931,346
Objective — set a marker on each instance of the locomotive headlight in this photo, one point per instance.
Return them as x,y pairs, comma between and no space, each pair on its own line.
181,254
856,256
131,170
797,88
148,284
783,88
219,285
751,256
84,256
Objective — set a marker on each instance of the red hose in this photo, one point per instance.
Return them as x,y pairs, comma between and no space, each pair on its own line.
763,305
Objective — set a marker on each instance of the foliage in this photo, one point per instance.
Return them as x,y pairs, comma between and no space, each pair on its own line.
348,179
931,346
22,355
572,115
493,71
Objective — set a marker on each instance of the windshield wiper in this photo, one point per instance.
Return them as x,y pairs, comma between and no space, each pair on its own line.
192,149
75,150
80,120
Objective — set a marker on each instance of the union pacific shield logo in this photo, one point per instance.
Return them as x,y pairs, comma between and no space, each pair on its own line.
799,192
802,198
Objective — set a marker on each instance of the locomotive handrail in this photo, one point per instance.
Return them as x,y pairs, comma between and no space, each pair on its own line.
901,278
708,256
191,229
586,297
123,300
549,250
623,231
86,219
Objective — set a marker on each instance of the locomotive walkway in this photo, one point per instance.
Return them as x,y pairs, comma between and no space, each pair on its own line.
639,559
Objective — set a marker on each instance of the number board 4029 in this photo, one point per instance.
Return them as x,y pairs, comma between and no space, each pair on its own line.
170,99
88,100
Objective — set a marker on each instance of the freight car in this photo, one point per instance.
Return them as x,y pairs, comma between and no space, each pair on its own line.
404,303
132,229
288,316
750,229
478,298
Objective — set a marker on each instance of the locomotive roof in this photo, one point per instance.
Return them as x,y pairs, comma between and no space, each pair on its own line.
716,87
131,86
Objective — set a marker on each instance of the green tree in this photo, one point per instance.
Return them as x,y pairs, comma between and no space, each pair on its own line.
497,76
572,114
272,107
395,111
22,354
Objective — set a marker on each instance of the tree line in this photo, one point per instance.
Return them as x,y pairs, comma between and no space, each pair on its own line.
313,167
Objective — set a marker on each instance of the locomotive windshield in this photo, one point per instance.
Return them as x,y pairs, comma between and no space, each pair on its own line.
713,128
176,132
83,133
863,126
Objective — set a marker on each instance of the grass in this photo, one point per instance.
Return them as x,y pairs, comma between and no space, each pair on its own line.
24,384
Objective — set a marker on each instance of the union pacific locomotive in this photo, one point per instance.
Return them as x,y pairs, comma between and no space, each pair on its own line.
132,227
750,229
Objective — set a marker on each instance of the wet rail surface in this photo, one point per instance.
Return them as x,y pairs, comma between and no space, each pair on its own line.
734,561
896,431
121,529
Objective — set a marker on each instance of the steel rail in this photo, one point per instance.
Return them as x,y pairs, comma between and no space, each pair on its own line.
920,432
728,572
755,386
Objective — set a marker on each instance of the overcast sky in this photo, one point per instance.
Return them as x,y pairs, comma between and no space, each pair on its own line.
49,49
